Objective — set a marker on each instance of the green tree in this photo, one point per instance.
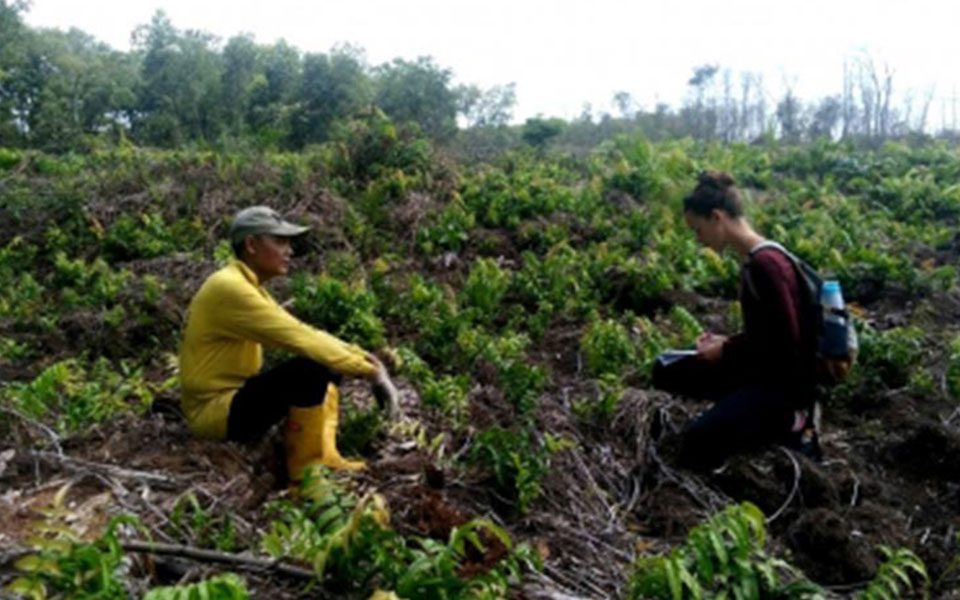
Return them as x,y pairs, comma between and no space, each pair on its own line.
420,92
538,131
180,96
486,108
334,86
12,33
240,68
273,93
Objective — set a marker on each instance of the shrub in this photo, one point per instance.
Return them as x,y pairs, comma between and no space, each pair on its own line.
222,587
484,289
723,557
518,461
607,348
77,397
521,383
64,565
447,230
347,311
886,360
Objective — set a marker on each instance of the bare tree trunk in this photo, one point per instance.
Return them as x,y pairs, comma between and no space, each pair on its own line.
744,113
847,111
925,110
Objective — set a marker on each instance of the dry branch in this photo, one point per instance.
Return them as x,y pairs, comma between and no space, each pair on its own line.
82,465
251,563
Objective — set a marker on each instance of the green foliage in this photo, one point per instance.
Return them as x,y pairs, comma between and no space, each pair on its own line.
371,147
63,565
447,230
75,396
434,568
887,359
560,279
350,546
518,460
359,429
347,311
332,520
87,284
9,158
11,350
723,557
418,91
222,587
431,312
199,526
607,348
521,383
897,576
598,410
22,299
953,368
636,170
504,198
485,288
537,131
448,393
148,236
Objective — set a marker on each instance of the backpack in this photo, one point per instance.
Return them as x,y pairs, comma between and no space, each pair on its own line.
836,338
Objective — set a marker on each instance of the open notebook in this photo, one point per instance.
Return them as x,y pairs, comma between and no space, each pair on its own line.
671,356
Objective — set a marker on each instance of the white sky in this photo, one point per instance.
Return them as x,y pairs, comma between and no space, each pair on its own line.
563,53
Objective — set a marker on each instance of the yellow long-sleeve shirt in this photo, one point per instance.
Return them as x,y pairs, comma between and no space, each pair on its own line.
228,322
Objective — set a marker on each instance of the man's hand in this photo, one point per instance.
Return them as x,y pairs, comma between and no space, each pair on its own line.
384,390
373,360
710,346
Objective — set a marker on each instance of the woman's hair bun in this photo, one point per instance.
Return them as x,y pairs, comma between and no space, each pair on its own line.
721,180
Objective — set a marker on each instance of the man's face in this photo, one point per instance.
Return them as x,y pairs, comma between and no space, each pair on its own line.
268,255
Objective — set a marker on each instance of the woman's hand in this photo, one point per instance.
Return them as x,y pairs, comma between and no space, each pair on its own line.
710,346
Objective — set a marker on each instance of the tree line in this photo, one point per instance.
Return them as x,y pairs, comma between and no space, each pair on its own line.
62,91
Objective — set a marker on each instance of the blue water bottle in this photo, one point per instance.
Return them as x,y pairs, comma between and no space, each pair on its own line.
834,341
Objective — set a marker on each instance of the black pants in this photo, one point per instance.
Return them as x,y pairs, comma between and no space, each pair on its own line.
746,415
265,398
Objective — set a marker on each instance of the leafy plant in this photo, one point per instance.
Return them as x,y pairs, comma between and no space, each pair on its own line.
347,311
78,396
66,566
222,587
359,429
434,567
518,461
521,383
953,367
147,235
448,230
721,558
897,576
887,359
350,546
11,350
198,527
607,348
484,289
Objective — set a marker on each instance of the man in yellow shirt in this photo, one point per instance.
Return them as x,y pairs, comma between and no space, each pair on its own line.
231,318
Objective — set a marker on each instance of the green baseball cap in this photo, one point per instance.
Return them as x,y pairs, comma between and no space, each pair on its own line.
260,220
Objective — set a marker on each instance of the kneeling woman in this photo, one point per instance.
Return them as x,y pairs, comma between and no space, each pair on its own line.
762,378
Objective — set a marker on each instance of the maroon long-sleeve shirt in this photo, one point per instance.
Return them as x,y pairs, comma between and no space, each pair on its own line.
776,347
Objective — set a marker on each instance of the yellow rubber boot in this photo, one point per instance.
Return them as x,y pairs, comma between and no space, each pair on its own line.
331,420
303,440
